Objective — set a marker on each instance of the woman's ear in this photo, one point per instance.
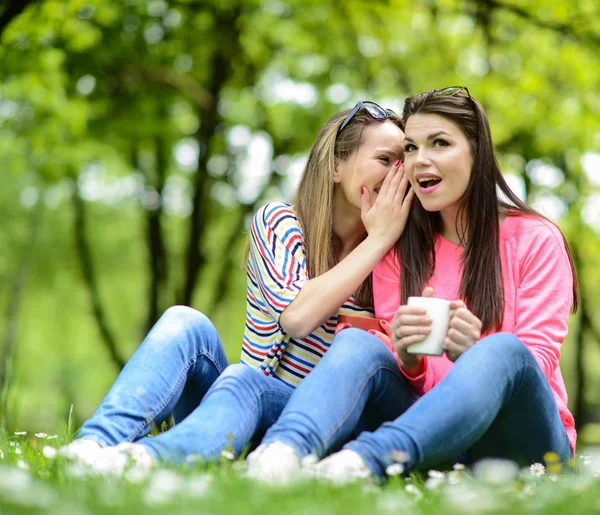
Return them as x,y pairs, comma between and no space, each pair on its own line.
337,175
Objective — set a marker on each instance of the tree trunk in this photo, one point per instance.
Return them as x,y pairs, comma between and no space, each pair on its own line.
13,309
89,276
221,71
156,246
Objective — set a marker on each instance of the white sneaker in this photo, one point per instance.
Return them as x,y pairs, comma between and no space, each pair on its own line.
274,463
340,468
83,449
106,461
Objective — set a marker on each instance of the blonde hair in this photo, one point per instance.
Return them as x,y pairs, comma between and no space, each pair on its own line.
313,202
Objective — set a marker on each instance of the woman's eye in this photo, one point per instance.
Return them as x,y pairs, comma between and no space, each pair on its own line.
409,148
440,143
384,159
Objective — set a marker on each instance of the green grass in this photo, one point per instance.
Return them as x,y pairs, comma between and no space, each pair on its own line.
32,483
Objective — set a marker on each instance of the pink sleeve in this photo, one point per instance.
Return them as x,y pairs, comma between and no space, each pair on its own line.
544,295
386,299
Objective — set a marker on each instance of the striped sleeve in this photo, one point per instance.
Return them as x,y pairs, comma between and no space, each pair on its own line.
277,256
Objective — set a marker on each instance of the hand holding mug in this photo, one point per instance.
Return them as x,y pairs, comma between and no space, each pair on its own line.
464,330
411,325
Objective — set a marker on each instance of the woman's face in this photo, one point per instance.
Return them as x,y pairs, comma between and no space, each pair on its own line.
381,147
438,161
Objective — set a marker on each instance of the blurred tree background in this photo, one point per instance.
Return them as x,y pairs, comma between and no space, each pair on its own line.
138,136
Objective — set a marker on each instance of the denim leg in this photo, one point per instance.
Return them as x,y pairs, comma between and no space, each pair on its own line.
173,368
494,402
356,381
242,403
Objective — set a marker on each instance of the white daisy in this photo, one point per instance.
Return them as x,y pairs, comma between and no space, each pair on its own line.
395,469
228,455
49,452
436,474
41,435
537,469
413,490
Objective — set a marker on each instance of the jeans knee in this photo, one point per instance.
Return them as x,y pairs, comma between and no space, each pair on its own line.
185,316
185,325
503,347
361,346
241,377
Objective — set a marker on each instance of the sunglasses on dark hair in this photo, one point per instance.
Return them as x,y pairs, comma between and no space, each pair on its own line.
450,91
375,110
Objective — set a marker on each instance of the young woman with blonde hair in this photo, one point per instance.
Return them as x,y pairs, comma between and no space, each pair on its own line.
307,262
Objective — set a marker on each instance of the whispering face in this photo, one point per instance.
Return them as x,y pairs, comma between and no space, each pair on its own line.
438,161
381,146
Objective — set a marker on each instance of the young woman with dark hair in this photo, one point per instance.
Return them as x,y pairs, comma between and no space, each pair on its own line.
497,391
307,263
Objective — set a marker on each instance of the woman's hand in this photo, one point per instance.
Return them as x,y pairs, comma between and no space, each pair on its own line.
464,330
385,218
411,325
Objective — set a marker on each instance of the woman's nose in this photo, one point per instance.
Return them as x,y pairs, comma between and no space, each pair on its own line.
422,159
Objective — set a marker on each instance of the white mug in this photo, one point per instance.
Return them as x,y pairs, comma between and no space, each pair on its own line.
440,313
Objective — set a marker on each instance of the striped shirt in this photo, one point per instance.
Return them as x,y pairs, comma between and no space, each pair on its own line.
276,273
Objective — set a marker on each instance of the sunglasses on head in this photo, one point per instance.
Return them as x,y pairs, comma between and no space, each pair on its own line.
375,110
450,91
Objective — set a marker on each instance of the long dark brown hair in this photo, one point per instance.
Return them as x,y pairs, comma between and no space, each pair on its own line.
481,286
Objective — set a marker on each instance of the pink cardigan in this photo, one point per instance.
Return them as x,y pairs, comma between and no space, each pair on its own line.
537,291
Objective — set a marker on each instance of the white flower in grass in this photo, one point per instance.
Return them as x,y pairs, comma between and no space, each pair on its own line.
136,475
553,477
41,435
1,454
529,489
164,485
18,451
13,444
52,437
537,469
49,452
453,477
19,488
435,474
414,491
228,455
22,465
395,469
393,502
470,497
434,482
197,486
20,433
458,466
495,471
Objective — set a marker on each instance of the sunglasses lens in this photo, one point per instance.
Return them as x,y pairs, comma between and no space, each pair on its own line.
452,90
375,110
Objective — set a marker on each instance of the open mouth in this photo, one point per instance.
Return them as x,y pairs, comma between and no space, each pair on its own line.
428,182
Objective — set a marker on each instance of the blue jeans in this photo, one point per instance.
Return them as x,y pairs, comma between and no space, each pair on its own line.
181,368
495,402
